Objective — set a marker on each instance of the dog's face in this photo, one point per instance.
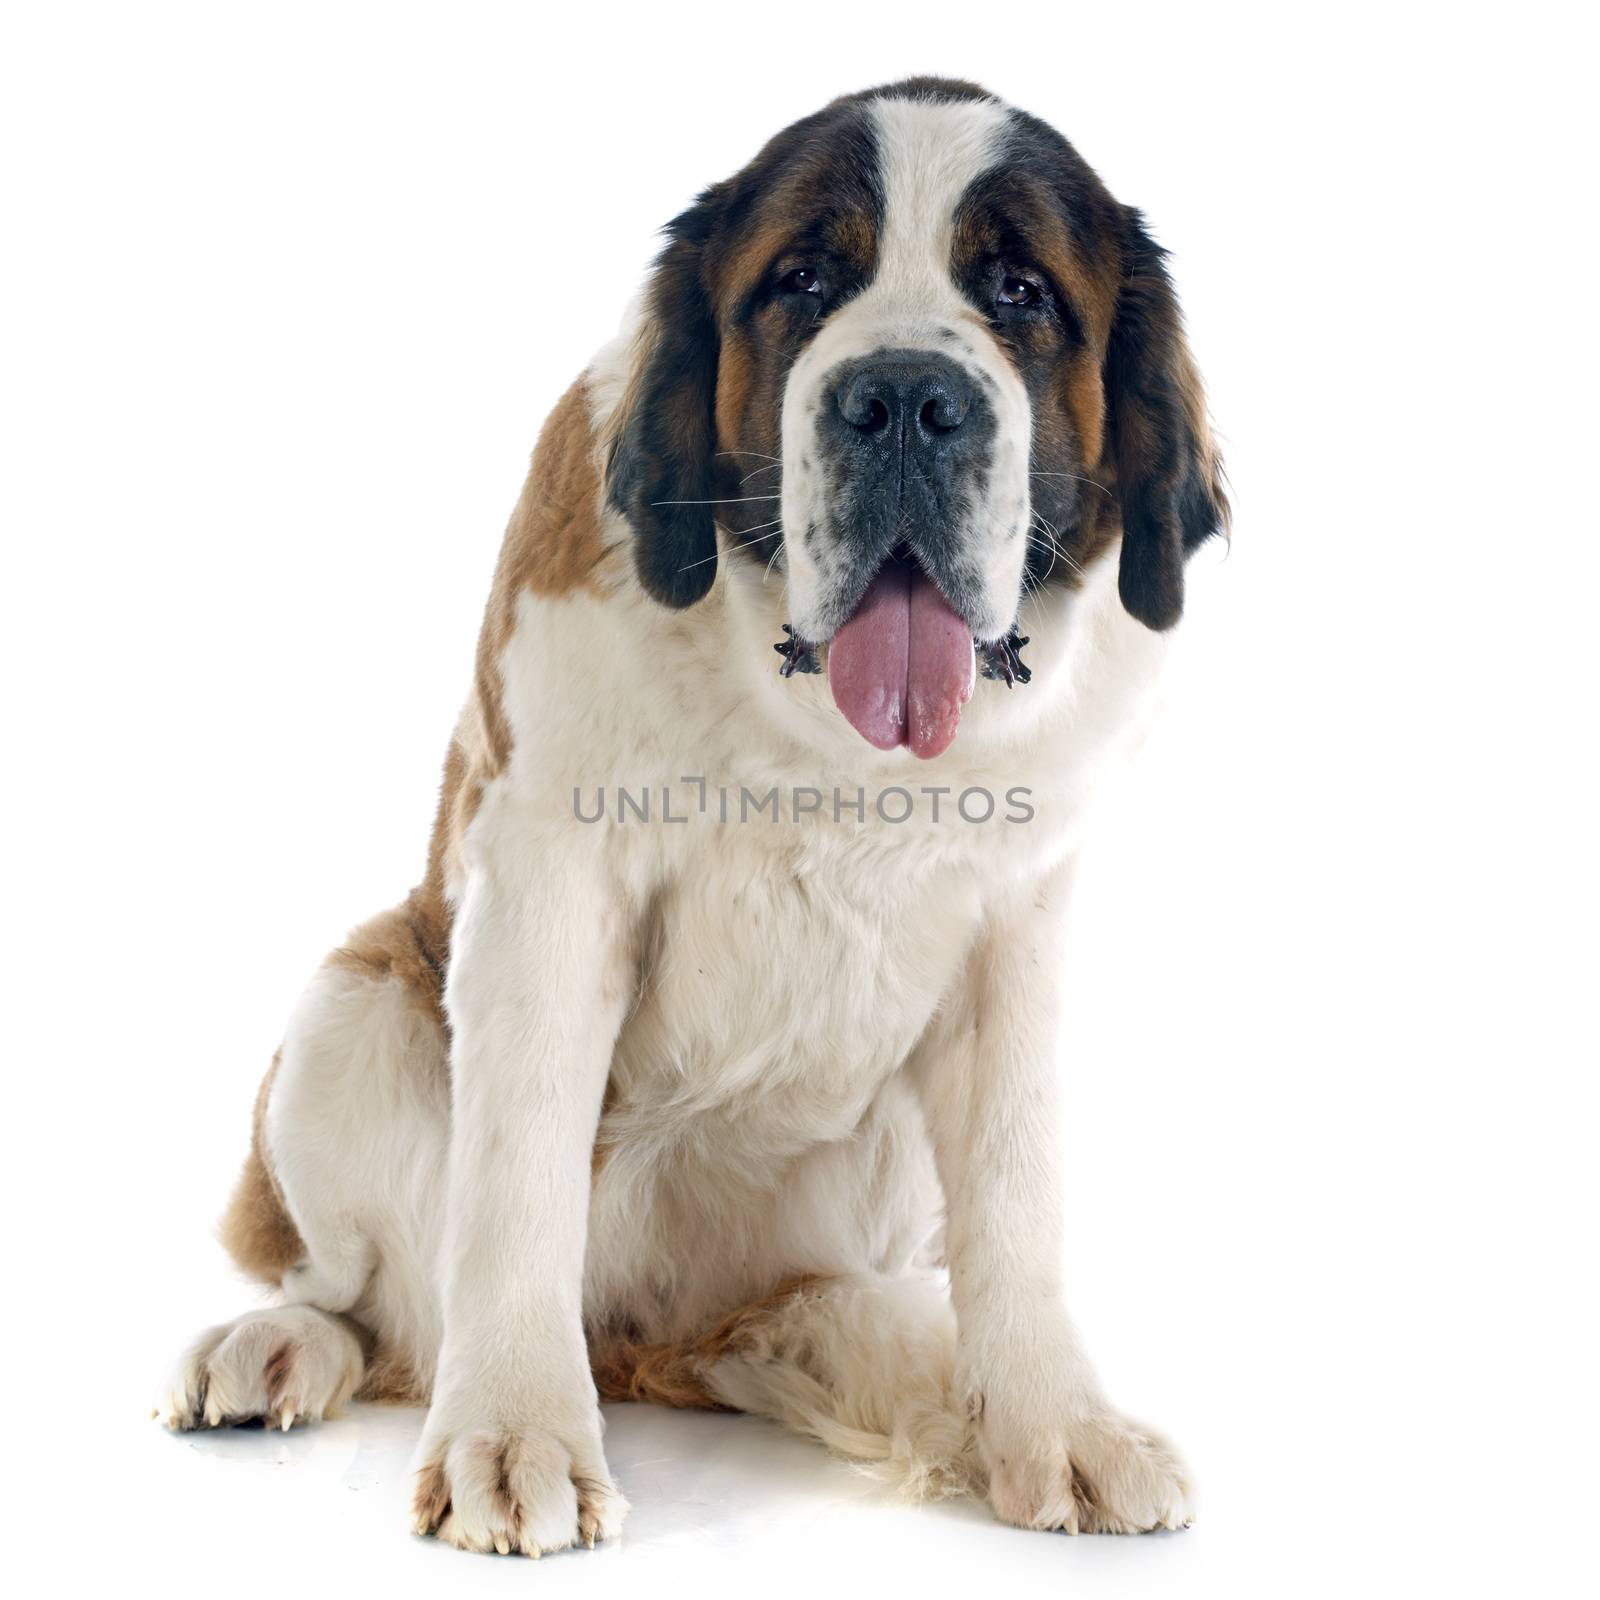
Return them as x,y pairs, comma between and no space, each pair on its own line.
916,359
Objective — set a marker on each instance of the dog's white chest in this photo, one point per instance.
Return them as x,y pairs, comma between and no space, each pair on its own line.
785,968
782,980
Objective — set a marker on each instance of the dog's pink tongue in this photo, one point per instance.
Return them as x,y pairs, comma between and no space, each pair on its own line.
903,666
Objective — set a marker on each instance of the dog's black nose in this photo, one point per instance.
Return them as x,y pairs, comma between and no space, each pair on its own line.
915,398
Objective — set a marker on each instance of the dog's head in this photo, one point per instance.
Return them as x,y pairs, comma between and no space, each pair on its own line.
916,358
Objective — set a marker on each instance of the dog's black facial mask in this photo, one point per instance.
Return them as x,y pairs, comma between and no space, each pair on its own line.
660,476
1168,479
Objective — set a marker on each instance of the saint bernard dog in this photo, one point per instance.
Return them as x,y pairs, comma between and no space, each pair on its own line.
713,1061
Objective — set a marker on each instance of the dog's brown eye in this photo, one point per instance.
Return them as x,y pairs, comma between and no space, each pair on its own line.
801,281
1018,292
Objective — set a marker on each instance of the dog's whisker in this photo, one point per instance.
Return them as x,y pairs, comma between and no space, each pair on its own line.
1053,537
738,501
1033,592
700,563
760,539
1035,545
1057,553
1076,478
1049,542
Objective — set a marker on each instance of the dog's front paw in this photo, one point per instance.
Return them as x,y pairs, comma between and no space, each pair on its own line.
282,1365
1096,1472
531,1488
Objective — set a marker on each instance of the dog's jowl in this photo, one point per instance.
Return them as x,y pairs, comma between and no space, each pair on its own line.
752,1105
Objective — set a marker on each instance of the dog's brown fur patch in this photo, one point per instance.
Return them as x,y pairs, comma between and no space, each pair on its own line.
256,1229
431,1498
673,1374
279,1365
553,546
391,1379
391,945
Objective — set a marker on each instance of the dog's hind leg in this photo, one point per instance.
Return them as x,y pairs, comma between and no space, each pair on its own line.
338,1207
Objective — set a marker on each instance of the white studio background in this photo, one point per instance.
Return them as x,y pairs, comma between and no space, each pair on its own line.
287,290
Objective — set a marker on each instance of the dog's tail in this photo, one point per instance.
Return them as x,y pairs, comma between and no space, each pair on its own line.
864,1365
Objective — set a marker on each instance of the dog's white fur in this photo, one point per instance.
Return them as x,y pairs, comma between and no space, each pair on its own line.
816,1033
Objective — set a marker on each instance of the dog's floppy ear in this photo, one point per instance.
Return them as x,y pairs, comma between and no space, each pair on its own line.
1169,480
660,475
